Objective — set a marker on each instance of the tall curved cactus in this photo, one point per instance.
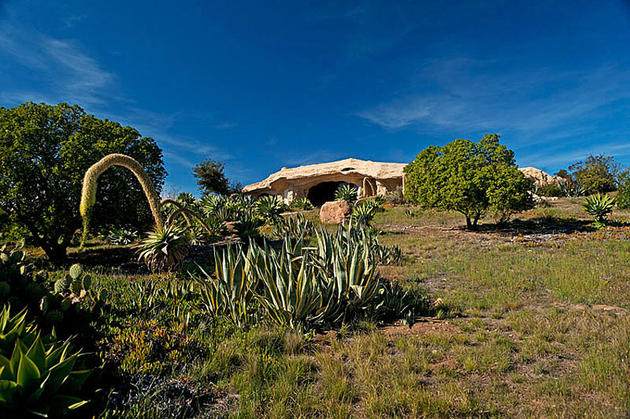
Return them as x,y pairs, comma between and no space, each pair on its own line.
90,181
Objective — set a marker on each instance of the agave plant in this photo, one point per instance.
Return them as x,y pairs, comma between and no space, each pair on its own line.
164,250
269,208
295,226
292,293
229,290
347,192
301,204
364,213
37,373
599,206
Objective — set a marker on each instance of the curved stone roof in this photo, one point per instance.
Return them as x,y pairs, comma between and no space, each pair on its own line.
365,168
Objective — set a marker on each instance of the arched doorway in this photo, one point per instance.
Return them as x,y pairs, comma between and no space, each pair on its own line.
323,192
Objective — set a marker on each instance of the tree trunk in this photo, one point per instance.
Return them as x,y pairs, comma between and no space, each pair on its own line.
468,223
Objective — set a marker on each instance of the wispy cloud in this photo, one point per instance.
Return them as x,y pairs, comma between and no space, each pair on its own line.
519,100
58,65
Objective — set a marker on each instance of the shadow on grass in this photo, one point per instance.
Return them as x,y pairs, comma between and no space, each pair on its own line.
540,225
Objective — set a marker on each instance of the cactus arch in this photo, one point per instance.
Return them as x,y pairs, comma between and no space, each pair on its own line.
90,182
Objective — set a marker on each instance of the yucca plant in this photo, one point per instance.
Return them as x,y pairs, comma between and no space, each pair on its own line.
164,250
346,192
599,206
37,373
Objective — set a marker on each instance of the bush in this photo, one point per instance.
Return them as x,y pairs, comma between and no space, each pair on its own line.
623,197
596,174
550,190
122,236
395,197
471,178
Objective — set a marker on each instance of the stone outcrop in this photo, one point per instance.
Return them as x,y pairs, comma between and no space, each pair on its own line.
539,177
334,212
307,181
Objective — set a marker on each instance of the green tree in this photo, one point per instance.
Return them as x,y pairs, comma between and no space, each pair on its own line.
468,177
211,178
623,197
44,153
596,174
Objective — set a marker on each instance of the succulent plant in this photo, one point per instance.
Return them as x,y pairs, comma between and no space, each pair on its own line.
164,250
347,192
599,206
38,374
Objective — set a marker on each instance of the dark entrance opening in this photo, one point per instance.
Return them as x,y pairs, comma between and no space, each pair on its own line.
323,192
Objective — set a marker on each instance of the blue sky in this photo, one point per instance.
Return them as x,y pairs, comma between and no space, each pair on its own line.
261,85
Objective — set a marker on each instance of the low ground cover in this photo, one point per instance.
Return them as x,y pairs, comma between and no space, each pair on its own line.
526,319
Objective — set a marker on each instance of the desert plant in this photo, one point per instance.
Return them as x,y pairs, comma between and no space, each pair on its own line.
90,181
295,226
164,250
269,208
44,153
229,290
301,204
122,236
38,374
364,213
599,206
346,192
395,196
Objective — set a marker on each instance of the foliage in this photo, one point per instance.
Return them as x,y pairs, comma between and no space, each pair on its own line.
67,306
596,174
38,374
297,286
122,236
212,180
550,190
269,208
44,153
470,178
164,250
301,204
623,197
395,197
599,206
364,213
347,192
295,226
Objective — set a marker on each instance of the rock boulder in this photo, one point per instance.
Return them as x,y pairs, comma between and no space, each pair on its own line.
334,212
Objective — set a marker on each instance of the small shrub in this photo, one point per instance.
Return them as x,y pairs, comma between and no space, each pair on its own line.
599,206
269,208
347,192
395,197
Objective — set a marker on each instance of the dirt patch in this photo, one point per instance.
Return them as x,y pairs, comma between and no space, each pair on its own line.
421,327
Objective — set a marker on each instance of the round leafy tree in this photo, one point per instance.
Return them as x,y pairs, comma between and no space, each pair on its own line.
468,177
44,153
